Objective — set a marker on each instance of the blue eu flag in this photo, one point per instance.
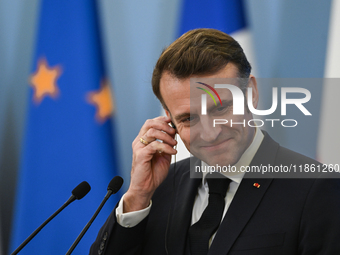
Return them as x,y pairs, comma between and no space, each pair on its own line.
69,130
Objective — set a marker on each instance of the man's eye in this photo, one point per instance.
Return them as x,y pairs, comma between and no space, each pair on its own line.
190,120
220,110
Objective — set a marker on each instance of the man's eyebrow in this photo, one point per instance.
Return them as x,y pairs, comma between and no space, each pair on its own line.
181,116
225,103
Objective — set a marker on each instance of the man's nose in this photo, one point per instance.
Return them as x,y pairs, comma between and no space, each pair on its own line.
208,132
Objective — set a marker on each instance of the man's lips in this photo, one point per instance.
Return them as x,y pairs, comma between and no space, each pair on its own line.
215,146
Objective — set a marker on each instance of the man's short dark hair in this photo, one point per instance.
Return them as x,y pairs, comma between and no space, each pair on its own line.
201,51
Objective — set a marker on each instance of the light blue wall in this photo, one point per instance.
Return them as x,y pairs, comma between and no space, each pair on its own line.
290,40
135,33
17,22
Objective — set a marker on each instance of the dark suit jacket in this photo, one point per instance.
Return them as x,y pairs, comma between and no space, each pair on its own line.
283,216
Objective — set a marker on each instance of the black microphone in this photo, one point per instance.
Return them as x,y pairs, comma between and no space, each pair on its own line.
77,193
113,187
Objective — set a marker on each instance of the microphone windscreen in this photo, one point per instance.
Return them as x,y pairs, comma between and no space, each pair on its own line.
115,184
81,190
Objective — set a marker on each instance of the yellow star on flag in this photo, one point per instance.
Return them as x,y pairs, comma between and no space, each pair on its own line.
44,81
102,100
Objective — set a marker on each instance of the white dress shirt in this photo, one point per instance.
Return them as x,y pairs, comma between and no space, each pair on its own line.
131,219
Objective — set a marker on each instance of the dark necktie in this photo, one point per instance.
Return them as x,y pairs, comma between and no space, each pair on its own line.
201,232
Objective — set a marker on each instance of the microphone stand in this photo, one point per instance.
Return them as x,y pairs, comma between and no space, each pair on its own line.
69,201
75,243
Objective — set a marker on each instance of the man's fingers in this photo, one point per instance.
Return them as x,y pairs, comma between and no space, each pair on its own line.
159,123
153,134
158,147
155,129
163,148
148,152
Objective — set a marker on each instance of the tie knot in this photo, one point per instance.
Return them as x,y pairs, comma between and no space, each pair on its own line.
218,184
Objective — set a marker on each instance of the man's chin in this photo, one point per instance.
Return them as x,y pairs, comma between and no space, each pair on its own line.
218,162
217,159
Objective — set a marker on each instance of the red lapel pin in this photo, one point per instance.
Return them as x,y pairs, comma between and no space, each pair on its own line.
256,185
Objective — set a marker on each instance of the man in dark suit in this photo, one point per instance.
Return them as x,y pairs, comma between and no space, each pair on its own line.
165,211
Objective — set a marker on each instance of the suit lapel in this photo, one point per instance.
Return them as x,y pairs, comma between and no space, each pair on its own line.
181,213
240,211
245,201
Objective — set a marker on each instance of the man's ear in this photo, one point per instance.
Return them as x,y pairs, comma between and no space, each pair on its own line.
255,94
167,113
